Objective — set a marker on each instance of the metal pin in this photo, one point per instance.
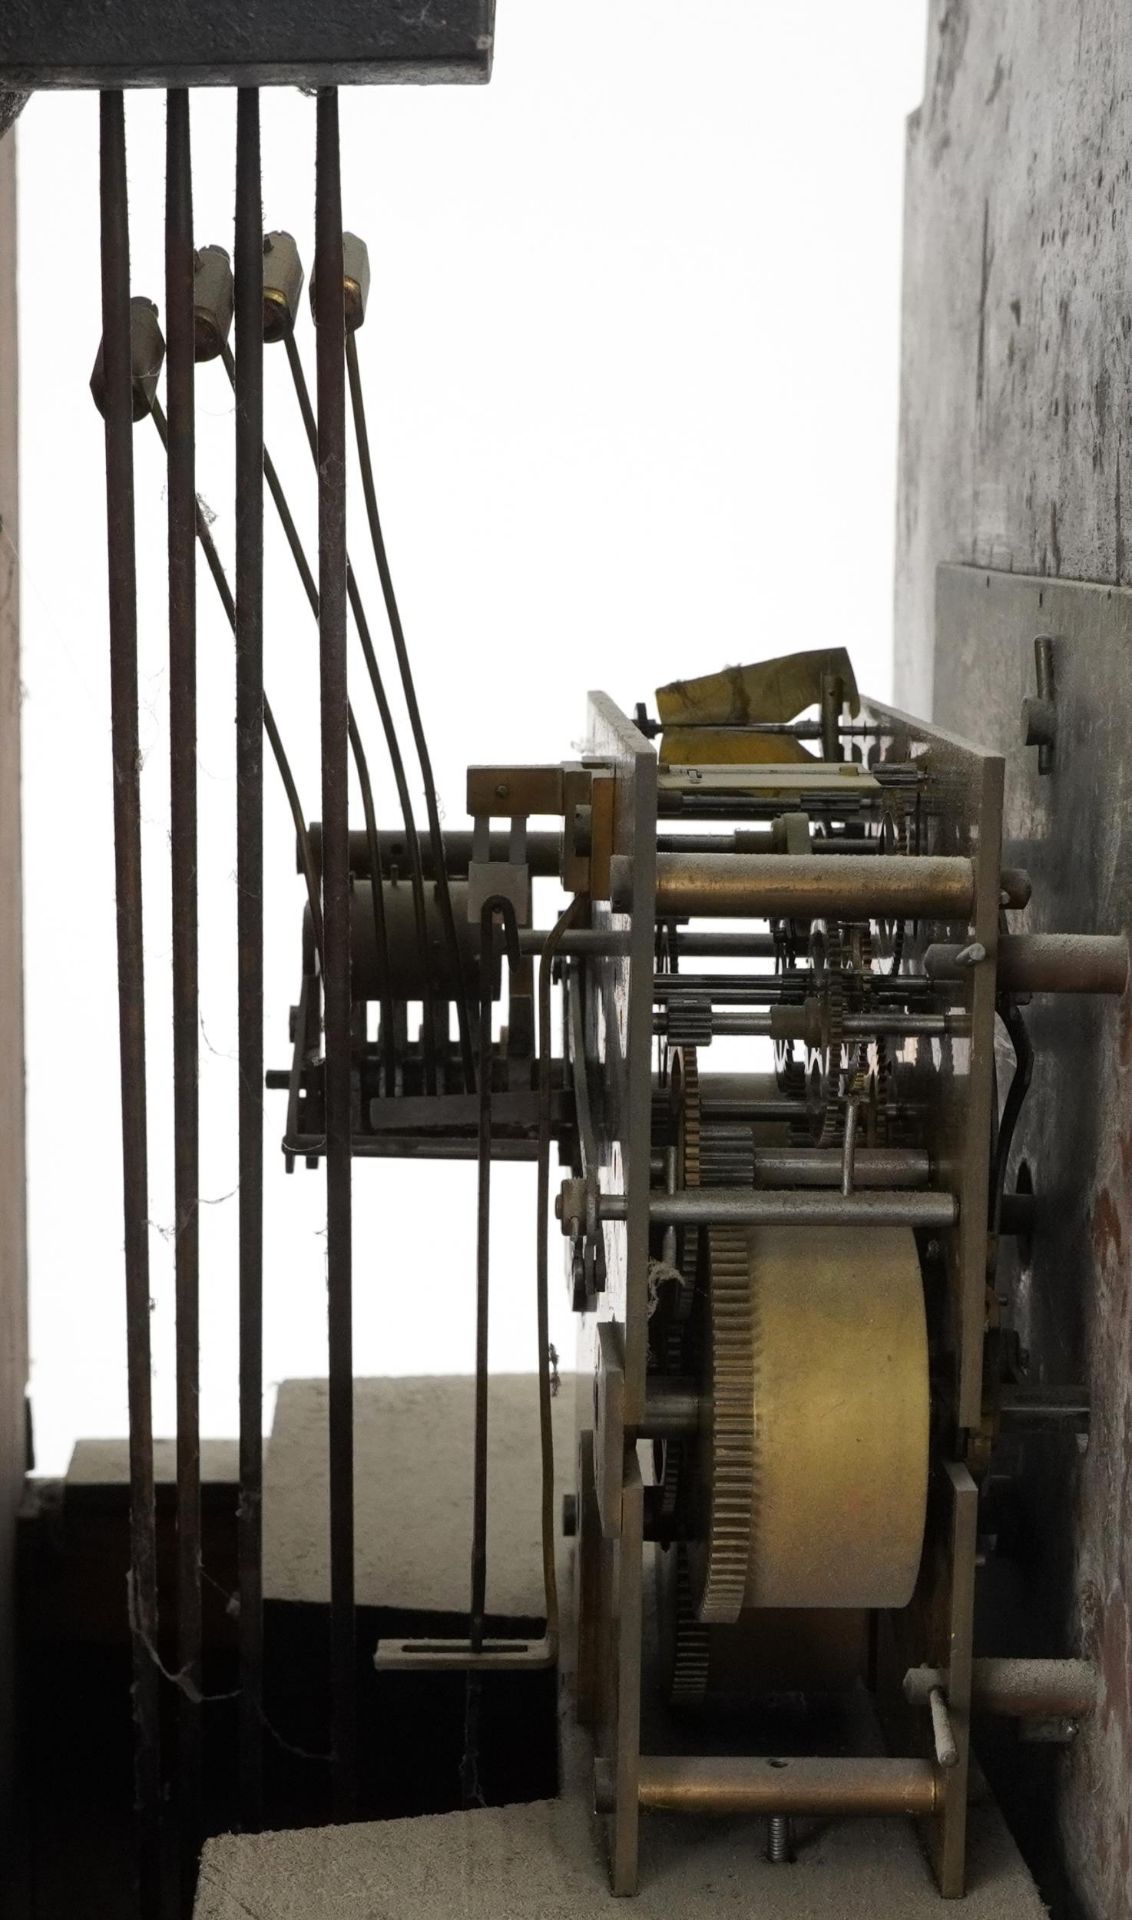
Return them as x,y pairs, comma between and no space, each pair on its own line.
943,1734
850,1144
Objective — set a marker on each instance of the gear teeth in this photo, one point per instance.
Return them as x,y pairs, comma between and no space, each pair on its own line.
691,1130
689,1020
685,1085
691,1664
691,1159
727,1156
733,1429
834,1054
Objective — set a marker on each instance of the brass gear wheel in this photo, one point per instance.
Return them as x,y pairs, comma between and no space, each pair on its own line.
685,1091
729,1460
813,1479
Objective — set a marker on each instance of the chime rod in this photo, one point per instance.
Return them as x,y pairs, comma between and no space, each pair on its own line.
182,512
248,267
331,392
123,621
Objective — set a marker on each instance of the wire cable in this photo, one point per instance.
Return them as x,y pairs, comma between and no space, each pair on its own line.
396,760
380,932
443,894
274,738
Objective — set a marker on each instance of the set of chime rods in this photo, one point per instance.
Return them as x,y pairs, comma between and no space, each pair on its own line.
213,312
125,385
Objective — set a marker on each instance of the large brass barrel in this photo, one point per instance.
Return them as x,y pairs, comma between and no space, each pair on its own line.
815,1455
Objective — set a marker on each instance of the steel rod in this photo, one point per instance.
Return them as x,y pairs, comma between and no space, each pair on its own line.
248,268
1035,1688
1019,1689
390,1146
392,744
1046,962
740,1021
791,984
331,389
761,840
745,1206
115,252
692,943
182,512
581,941
784,1108
788,991
730,1784
891,1167
696,944
791,729
892,886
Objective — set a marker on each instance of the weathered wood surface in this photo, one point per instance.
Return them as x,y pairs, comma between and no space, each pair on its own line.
1015,456
1017,331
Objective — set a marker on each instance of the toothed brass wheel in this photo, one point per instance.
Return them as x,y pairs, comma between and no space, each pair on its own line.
813,1467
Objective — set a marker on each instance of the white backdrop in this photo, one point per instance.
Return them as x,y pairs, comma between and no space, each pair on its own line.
631,360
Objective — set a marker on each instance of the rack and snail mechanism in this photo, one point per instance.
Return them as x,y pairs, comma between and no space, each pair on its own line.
766,1066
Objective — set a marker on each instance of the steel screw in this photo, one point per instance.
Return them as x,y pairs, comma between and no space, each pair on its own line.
778,1840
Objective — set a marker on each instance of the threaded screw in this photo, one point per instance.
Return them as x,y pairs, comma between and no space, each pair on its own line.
778,1847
